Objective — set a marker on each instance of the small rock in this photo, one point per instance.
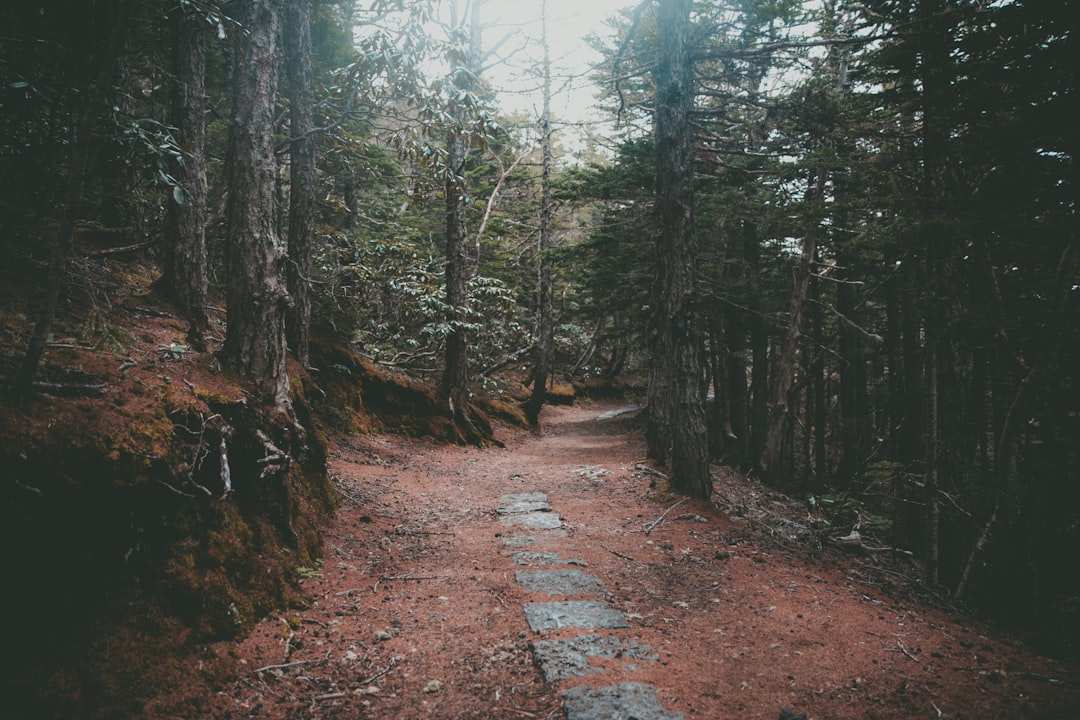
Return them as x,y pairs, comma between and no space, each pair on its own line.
382,635
435,686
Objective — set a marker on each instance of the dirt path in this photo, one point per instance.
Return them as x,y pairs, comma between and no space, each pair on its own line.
419,610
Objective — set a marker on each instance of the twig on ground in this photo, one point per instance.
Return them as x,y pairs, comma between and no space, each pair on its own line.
651,526
381,673
283,666
652,471
616,553
903,649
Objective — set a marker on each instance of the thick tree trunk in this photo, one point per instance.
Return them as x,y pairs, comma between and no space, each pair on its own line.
779,411
257,300
545,325
456,373
677,430
184,270
301,176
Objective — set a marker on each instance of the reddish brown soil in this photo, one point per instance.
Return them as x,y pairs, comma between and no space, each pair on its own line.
418,586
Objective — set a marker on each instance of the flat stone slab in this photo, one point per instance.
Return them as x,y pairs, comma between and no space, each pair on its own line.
534,520
591,614
560,582
518,540
539,559
624,701
523,503
560,659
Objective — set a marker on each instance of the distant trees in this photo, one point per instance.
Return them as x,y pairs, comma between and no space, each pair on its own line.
839,237
878,308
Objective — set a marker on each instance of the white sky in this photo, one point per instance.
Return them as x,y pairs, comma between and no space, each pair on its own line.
569,22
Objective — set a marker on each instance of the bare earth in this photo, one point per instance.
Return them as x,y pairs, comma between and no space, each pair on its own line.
416,612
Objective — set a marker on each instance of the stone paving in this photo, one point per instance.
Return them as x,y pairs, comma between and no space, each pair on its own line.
583,605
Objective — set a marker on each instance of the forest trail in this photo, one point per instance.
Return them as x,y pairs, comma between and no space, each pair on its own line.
435,600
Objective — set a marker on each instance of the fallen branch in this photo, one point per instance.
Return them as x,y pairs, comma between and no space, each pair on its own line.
283,666
649,528
69,390
618,554
903,649
381,673
652,471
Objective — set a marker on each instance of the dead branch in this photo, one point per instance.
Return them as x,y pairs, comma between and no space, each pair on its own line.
618,554
276,459
69,389
295,663
649,528
381,673
652,471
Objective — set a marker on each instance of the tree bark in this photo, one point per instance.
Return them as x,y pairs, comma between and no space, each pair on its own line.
772,453
545,335
677,427
255,339
184,270
456,373
301,176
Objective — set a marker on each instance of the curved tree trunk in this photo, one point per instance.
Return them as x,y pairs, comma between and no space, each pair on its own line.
771,455
301,176
545,330
255,338
677,432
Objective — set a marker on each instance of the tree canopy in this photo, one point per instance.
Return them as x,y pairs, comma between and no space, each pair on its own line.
833,243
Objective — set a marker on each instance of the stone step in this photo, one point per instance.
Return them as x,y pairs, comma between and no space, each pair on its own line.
560,582
567,657
592,614
624,701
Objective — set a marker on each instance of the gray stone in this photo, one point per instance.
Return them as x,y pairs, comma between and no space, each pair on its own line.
591,614
518,540
563,658
559,582
534,520
535,559
624,701
523,503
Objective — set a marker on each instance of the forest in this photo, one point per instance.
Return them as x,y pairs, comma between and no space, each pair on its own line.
832,245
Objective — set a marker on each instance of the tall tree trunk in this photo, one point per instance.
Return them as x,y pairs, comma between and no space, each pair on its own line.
456,373
255,337
779,412
738,401
677,429
184,270
816,390
545,336
759,347
301,176
853,420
